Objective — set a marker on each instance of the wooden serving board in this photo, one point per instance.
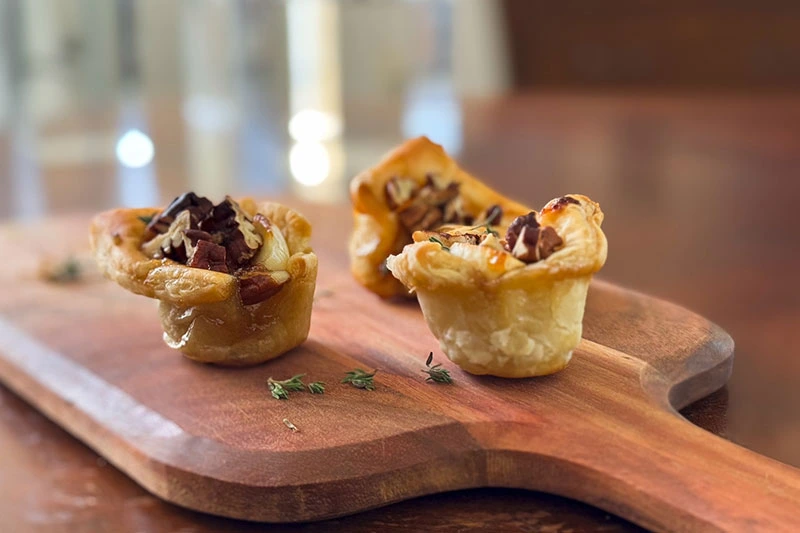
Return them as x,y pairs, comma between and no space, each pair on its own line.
604,431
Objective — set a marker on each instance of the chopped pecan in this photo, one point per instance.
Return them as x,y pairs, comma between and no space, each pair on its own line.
219,237
173,243
427,207
399,191
530,242
209,256
433,218
233,229
257,285
454,212
221,219
549,242
535,244
199,207
430,195
419,216
199,235
516,226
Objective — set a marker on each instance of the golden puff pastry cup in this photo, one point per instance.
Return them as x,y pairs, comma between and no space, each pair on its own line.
207,314
496,314
379,229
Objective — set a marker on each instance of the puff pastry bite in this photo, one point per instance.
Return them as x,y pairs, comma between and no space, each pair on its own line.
235,281
416,187
508,305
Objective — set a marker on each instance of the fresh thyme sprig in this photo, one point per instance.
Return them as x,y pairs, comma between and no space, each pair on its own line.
495,213
435,373
280,389
440,243
316,387
487,227
360,379
145,219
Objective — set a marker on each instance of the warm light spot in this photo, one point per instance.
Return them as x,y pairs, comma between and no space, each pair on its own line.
135,149
309,162
312,125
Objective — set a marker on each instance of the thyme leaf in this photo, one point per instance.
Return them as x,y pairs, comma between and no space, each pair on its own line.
436,374
440,243
316,387
487,227
280,389
360,379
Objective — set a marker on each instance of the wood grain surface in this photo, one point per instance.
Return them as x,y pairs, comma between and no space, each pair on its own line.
604,431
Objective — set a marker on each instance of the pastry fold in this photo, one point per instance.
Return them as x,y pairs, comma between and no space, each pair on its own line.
496,314
201,310
378,231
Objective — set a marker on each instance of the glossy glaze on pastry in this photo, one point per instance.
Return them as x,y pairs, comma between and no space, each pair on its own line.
235,281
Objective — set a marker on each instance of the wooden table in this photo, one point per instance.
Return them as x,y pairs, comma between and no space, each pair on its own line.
700,195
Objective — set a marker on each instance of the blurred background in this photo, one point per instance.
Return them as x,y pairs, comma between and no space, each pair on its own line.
129,102
681,118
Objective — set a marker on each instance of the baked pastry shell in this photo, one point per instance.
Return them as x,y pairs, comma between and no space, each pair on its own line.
200,310
495,316
377,231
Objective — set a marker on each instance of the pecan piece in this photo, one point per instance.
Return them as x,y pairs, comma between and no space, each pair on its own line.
433,218
439,197
173,243
549,242
515,228
233,229
419,216
209,256
257,285
198,206
454,212
399,191
535,244
196,235
530,242
427,207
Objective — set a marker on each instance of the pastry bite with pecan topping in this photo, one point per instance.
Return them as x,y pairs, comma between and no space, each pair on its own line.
416,187
508,304
235,281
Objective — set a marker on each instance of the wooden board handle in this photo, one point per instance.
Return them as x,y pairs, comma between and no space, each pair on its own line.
621,447
663,473
720,485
